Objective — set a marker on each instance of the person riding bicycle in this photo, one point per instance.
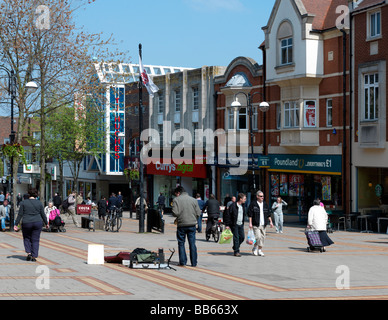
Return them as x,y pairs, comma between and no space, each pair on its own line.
213,213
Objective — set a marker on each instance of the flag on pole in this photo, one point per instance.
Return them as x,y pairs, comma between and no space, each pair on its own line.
147,81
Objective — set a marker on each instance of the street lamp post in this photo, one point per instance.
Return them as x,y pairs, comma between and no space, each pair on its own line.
141,171
31,87
264,106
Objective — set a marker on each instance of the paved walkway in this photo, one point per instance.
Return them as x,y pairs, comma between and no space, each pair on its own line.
288,271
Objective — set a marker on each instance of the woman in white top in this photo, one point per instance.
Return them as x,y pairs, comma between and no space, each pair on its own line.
317,220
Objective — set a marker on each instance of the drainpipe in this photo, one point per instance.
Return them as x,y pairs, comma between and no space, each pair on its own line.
350,106
344,142
265,149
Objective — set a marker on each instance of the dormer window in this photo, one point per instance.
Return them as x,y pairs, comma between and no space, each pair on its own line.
286,43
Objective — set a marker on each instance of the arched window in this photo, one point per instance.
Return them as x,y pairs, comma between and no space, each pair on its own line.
285,43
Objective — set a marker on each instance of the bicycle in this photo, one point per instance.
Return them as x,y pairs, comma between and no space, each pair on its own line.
215,231
113,220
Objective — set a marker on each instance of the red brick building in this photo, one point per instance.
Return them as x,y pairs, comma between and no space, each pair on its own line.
303,83
370,134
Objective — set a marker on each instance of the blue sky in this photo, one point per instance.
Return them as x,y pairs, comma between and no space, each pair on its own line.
182,33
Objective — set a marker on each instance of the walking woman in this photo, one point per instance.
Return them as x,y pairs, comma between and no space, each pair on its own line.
32,215
317,220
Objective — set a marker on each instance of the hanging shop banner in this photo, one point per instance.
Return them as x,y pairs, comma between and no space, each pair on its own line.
315,164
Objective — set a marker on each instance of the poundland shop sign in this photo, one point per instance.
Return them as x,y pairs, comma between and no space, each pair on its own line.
319,164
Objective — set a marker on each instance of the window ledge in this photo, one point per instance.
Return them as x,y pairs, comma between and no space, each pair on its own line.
285,68
370,39
369,122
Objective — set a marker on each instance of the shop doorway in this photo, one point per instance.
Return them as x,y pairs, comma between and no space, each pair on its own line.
125,192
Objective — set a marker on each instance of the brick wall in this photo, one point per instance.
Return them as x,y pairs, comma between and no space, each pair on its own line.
5,128
363,54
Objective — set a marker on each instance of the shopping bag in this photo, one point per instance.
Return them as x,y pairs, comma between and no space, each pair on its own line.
226,236
251,240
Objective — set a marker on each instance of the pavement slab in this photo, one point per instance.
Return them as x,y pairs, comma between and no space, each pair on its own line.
354,268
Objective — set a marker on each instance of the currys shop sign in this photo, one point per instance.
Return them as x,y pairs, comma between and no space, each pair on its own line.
192,170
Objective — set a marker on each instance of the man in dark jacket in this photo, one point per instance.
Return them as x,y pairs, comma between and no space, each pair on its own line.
213,213
113,202
259,216
234,221
57,201
102,207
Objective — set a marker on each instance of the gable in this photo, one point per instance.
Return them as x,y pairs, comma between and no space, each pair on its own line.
322,14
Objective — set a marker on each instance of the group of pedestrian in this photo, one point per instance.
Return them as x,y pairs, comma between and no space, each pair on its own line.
3,197
73,200
32,216
259,217
188,212
105,206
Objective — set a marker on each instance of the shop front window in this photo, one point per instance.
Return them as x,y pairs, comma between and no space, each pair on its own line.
233,185
373,188
300,190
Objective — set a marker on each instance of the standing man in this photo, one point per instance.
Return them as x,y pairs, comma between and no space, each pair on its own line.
259,216
120,199
234,221
102,206
186,210
19,199
57,200
233,199
2,197
161,202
